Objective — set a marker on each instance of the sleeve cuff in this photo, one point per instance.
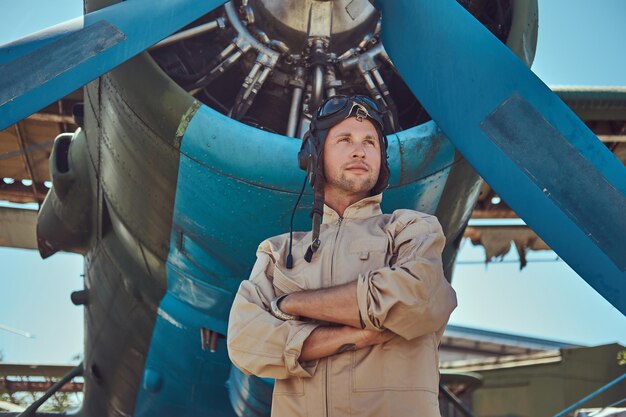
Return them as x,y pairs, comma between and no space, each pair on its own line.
297,335
363,300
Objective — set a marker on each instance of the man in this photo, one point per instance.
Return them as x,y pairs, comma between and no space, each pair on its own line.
349,325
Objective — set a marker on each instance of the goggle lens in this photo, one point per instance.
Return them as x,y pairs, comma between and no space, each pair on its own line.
332,106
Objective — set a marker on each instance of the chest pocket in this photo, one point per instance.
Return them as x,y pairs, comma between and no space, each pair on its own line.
370,252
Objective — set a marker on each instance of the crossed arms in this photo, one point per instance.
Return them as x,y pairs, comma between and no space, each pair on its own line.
408,299
335,305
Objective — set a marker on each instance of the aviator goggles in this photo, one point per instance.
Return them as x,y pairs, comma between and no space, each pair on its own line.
341,107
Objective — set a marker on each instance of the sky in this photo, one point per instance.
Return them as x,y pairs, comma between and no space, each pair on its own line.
580,43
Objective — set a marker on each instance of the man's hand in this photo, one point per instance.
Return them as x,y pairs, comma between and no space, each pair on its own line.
327,341
373,337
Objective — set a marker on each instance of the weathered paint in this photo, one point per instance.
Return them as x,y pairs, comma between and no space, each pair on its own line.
518,129
69,51
184,123
461,75
130,32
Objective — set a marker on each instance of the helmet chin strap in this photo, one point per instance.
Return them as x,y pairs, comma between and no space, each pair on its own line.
316,214
289,261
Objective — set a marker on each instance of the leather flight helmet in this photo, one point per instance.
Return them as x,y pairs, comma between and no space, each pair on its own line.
331,112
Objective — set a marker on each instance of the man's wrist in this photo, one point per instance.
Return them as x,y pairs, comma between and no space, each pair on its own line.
277,311
286,306
357,337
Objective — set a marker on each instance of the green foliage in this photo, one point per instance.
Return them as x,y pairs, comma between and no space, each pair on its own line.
621,357
21,400
59,402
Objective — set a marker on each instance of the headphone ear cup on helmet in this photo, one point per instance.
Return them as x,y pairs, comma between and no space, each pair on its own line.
307,157
384,174
305,154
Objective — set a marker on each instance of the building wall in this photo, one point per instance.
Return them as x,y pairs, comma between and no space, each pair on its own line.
545,389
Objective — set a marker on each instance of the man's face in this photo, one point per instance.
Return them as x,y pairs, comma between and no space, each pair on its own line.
351,158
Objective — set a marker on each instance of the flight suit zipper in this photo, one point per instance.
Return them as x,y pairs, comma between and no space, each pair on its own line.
332,255
332,267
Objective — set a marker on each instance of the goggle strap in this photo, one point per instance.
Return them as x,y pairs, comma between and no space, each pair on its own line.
330,121
360,113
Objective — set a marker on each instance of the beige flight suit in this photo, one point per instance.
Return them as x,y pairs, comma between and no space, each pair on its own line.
396,259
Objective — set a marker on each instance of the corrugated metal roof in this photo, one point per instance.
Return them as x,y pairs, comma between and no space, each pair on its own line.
505,338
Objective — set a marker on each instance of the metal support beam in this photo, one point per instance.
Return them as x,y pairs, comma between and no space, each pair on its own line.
52,118
494,214
44,371
612,138
9,385
29,168
62,125
18,193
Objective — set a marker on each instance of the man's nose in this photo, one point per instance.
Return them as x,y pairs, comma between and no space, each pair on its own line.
358,151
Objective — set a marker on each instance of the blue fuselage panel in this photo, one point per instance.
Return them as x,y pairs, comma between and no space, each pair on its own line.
237,186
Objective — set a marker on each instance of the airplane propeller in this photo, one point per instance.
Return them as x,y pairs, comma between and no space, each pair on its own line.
108,37
519,136
523,140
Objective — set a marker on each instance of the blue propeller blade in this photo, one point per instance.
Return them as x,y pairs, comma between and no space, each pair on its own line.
108,38
523,140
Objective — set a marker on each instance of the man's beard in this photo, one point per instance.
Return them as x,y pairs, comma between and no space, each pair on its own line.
355,185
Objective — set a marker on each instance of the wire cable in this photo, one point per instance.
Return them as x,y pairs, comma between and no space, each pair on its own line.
289,263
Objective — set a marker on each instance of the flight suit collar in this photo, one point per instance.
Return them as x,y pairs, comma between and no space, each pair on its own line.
362,209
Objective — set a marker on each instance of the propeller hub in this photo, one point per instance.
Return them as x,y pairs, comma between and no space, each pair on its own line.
344,22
